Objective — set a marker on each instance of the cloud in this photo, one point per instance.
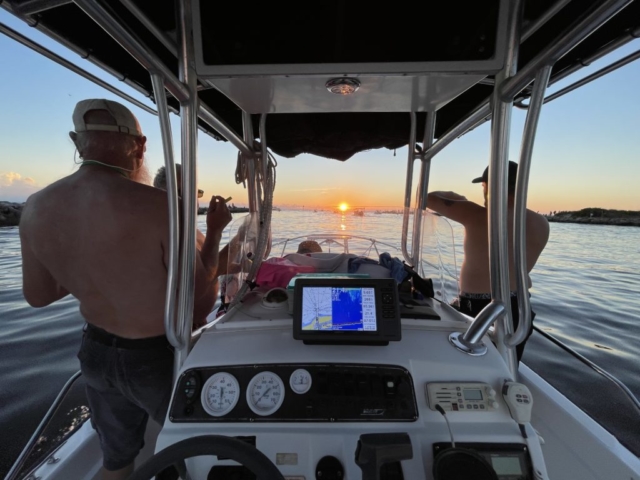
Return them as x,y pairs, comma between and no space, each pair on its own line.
14,186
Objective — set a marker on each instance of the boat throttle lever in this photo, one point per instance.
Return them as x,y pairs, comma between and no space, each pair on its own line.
376,449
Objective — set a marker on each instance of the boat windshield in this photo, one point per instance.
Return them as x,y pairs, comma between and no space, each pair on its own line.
318,233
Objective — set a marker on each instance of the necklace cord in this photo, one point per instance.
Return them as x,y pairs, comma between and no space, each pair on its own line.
120,170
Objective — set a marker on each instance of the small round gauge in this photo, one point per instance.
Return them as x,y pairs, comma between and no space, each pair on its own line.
300,381
220,394
265,393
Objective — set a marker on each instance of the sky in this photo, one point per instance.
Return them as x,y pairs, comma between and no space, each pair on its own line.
587,151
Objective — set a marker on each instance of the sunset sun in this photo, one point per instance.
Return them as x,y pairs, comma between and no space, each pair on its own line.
343,207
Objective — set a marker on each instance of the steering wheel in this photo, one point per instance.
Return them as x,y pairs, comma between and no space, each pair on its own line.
246,455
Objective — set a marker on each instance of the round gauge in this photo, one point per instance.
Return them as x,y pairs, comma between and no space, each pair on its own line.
300,381
265,393
220,394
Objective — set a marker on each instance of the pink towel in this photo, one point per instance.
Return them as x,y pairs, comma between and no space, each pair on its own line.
277,272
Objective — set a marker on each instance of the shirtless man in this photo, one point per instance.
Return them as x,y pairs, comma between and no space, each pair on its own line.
102,236
475,283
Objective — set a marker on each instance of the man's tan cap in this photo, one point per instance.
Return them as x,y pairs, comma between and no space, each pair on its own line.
125,120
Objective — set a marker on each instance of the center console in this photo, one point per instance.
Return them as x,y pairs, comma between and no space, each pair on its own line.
295,393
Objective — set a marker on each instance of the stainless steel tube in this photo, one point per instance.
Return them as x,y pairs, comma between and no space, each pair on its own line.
561,46
15,470
621,41
421,193
18,37
411,156
168,43
520,209
264,153
480,114
84,54
31,7
208,116
172,197
189,150
132,45
204,112
252,191
498,180
534,26
589,78
480,326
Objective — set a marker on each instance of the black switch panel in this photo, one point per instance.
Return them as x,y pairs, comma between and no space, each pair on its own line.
338,393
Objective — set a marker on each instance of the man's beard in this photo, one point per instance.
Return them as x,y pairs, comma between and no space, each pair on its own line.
142,174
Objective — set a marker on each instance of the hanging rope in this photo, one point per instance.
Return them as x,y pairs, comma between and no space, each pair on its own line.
265,188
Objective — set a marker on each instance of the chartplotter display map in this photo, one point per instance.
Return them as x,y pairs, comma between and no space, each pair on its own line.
335,309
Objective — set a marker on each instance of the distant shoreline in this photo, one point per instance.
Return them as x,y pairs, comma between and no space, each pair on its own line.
10,213
597,216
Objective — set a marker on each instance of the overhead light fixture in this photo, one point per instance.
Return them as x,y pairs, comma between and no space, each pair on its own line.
343,86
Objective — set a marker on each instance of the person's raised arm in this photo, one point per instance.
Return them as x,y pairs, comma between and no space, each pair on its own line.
453,206
218,217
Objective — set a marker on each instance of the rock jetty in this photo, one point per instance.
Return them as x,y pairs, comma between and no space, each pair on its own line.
10,213
597,216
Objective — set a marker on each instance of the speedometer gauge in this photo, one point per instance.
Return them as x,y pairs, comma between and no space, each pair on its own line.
265,393
220,394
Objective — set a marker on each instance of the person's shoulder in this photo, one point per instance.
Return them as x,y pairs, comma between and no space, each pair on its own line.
537,219
148,195
538,226
147,201
42,198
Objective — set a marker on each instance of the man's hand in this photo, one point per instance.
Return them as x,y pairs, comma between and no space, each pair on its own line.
218,215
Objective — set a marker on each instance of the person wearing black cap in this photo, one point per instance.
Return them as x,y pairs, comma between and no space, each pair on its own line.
475,283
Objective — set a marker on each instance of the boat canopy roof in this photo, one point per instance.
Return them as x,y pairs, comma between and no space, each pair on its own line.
276,57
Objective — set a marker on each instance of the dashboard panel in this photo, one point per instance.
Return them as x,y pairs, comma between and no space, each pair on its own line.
295,393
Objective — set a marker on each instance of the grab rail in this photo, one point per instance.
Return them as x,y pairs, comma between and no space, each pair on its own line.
332,236
411,157
520,220
470,342
174,216
19,463
588,79
618,383
560,47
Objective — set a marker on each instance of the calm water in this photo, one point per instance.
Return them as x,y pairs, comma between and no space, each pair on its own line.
586,287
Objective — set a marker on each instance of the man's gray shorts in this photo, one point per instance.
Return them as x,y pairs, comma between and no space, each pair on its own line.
127,381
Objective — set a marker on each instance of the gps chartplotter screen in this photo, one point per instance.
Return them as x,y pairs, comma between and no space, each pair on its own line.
350,311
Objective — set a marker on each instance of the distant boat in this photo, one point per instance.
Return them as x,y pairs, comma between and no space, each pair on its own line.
232,209
238,209
276,209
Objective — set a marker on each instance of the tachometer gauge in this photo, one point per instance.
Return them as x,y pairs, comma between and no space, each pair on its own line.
300,381
220,394
265,393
